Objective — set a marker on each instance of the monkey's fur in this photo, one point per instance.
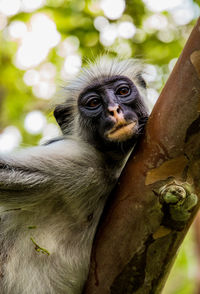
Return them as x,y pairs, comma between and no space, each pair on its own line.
52,196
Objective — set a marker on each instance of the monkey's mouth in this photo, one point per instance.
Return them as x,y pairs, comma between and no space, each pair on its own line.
121,132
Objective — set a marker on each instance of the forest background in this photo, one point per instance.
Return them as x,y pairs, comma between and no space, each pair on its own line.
44,43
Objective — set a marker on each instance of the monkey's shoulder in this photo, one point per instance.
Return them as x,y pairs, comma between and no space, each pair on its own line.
54,140
72,148
83,158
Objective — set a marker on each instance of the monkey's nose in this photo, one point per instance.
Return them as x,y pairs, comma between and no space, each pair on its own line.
115,111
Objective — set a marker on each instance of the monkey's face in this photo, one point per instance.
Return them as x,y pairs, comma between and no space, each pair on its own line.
111,111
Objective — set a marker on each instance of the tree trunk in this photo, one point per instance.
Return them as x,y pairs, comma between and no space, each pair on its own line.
156,200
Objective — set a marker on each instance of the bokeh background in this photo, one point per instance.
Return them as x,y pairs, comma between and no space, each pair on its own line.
44,43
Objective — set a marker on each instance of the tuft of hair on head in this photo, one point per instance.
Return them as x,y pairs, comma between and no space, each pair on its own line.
104,66
107,67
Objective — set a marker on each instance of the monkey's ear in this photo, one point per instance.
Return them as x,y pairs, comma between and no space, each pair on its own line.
141,80
63,116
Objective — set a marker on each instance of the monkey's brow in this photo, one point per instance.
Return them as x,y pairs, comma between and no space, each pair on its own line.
97,83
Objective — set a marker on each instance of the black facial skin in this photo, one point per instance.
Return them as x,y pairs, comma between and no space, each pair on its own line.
96,104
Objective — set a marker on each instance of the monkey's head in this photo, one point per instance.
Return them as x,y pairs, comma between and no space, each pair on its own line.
105,105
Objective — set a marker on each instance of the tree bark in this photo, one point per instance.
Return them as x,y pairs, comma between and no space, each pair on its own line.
155,202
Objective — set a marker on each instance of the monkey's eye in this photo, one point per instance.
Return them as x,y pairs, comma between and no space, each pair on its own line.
123,91
92,103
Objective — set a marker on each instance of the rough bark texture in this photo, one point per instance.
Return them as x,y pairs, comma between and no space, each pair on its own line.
141,229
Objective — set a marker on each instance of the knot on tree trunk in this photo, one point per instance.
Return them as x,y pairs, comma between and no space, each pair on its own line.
180,198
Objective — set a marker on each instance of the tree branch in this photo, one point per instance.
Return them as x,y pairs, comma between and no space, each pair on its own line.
155,201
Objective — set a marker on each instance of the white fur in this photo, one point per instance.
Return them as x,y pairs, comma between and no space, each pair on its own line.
62,185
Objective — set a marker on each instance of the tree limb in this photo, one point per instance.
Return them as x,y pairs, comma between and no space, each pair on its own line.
155,201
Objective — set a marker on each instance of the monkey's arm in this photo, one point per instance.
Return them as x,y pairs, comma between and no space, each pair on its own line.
20,184
36,174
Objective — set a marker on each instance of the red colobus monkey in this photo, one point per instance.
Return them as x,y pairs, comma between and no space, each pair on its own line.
52,196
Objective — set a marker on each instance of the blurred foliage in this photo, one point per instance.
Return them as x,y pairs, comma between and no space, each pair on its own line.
182,276
76,18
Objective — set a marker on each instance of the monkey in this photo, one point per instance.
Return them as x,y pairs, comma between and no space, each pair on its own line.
52,195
